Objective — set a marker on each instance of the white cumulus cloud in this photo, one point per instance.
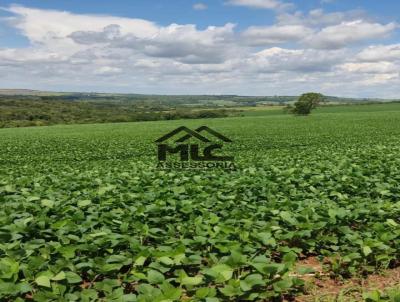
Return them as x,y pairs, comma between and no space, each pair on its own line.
377,53
348,33
276,34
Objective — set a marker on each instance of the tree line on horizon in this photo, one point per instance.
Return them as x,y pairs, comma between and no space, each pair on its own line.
28,112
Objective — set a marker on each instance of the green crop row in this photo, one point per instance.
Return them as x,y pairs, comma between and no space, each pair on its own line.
86,216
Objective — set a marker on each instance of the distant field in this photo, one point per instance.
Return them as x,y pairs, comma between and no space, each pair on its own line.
278,110
359,108
85,215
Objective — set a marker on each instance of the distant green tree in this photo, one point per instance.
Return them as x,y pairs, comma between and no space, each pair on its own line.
306,103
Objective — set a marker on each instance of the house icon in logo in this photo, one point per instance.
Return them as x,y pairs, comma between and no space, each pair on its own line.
190,151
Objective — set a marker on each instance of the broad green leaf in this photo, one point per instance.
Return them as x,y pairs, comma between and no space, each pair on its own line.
166,260
8,268
73,277
47,203
221,272
60,276
250,281
288,217
43,281
367,250
155,277
283,285
140,261
84,203
192,280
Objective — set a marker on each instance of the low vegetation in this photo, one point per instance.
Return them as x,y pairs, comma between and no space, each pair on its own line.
86,216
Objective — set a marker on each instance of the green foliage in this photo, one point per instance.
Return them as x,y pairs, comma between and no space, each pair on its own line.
389,295
41,111
85,215
306,103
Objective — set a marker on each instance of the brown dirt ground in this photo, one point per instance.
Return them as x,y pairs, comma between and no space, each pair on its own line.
320,287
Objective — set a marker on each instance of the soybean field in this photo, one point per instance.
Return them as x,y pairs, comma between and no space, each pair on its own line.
85,215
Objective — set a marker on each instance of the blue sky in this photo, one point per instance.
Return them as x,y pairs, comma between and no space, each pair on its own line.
252,47
181,11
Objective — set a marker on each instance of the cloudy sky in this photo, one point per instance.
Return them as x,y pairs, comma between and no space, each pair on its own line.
247,47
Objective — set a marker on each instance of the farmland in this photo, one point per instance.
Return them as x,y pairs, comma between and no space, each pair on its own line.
24,108
85,216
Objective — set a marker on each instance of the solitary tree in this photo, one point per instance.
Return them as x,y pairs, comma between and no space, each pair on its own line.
306,103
